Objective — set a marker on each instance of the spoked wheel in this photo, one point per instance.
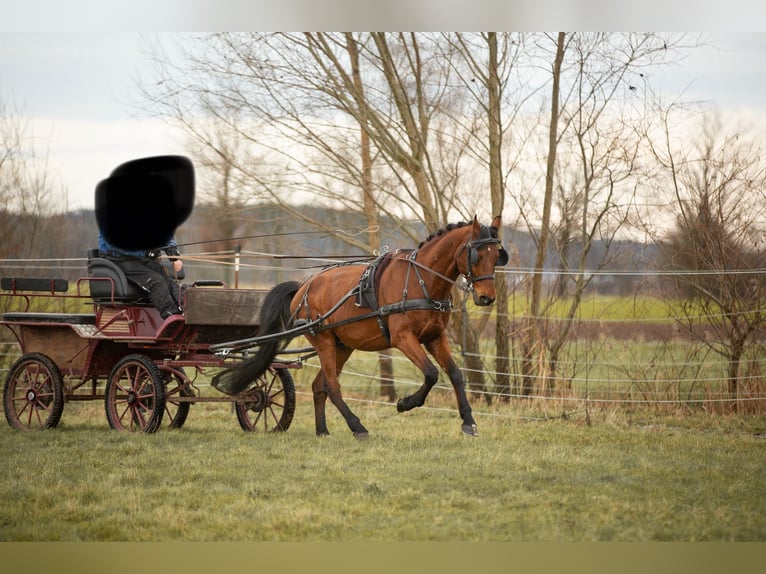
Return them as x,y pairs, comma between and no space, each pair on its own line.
33,395
270,404
176,411
135,395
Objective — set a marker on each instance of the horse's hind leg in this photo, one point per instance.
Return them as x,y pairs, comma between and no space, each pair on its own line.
326,385
320,398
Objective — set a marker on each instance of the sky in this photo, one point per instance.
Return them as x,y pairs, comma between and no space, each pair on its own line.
79,92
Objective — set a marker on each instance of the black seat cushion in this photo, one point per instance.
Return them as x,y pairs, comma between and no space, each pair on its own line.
125,291
101,289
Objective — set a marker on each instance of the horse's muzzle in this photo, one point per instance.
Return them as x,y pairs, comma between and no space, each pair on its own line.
482,300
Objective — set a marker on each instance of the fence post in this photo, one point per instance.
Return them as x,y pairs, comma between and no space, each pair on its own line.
237,250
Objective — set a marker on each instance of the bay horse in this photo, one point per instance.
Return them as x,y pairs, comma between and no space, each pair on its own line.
401,300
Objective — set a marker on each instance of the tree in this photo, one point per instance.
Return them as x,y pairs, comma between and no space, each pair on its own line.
716,249
27,190
414,128
596,130
489,60
385,362
367,122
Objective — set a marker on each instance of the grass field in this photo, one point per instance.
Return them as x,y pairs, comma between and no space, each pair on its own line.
525,478
662,468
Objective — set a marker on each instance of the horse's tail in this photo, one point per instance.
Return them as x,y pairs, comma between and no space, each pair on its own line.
274,318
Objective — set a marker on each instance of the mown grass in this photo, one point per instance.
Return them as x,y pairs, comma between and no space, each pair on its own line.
415,479
635,473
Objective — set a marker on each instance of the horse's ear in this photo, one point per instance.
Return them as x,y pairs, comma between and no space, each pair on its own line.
476,225
502,254
502,257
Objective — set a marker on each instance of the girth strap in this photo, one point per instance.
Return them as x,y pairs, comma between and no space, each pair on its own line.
442,305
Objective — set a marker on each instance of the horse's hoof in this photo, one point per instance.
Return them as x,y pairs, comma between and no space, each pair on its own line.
361,435
470,430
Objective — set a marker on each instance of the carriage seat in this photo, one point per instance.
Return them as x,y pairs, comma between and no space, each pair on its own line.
101,290
124,290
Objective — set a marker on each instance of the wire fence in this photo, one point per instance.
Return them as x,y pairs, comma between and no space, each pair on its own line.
623,351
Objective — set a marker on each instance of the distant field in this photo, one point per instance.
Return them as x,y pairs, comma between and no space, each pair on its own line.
604,308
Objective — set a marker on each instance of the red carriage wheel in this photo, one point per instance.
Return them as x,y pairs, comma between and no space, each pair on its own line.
135,395
269,404
33,395
176,410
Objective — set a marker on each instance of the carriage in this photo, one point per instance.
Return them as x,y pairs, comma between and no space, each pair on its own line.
142,366
137,362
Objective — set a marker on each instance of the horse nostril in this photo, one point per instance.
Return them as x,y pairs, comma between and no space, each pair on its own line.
486,300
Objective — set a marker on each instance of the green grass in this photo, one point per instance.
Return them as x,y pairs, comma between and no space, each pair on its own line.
415,479
639,472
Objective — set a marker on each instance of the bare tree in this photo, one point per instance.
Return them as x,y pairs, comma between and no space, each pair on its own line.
717,245
595,135
534,332
366,122
390,125
27,190
385,361
486,66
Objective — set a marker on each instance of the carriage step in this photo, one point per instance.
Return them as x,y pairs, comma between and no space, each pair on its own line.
60,318
34,284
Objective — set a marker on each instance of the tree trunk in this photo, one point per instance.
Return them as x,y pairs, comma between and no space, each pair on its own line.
385,363
469,345
497,190
502,341
535,332
386,366
735,357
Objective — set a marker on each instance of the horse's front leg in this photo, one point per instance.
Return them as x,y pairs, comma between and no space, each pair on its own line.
440,350
410,346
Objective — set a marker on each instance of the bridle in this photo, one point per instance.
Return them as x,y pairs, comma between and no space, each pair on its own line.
472,258
471,247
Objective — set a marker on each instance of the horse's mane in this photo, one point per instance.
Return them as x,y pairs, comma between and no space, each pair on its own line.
486,231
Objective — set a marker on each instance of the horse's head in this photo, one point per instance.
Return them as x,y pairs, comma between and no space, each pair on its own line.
477,259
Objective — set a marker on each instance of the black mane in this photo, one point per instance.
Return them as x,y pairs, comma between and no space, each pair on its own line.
487,231
449,227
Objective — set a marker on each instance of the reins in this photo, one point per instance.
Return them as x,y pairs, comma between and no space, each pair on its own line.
426,303
416,263
422,304
370,229
316,325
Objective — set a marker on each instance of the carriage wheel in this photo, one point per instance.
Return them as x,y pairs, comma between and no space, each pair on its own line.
270,404
135,395
176,411
33,395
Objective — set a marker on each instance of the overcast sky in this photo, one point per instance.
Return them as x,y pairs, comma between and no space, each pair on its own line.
79,92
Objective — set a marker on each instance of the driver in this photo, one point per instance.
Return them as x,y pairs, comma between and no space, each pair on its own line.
143,267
